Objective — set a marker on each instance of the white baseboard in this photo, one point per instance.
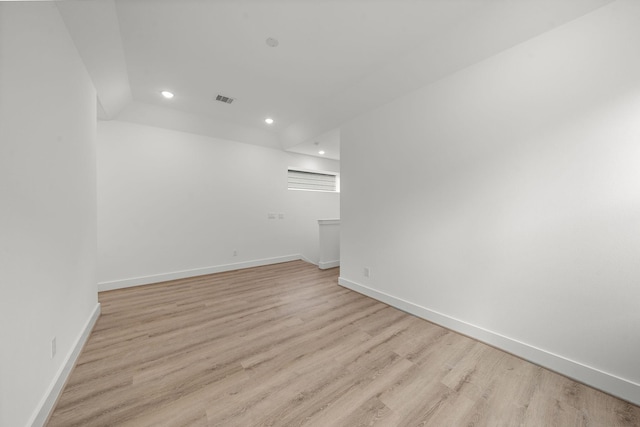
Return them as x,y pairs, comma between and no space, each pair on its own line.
43,411
163,277
604,381
305,259
328,264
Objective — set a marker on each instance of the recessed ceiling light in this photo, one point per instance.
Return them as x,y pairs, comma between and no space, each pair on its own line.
321,152
271,42
268,121
167,94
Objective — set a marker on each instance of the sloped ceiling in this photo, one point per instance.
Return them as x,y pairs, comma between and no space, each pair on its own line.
334,60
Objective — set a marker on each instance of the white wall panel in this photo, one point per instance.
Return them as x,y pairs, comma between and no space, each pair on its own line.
506,197
171,202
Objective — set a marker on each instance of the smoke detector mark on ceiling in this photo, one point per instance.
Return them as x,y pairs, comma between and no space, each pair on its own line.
225,99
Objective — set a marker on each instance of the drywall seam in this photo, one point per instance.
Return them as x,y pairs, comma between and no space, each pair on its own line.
609,383
163,277
48,402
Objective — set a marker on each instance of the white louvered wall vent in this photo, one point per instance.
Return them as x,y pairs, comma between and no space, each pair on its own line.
225,99
299,179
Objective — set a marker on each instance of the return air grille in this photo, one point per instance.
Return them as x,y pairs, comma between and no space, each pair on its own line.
224,99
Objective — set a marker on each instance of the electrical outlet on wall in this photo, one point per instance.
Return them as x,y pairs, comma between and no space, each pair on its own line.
235,252
53,347
366,272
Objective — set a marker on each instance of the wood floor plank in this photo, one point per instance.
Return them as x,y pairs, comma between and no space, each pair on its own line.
284,345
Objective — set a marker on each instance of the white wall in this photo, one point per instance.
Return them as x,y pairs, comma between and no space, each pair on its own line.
48,208
175,204
504,200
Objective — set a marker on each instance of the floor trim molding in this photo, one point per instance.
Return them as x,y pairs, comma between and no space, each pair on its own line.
48,402
328,264
163,277
611,384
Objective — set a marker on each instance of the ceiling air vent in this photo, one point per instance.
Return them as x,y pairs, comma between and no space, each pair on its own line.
224,99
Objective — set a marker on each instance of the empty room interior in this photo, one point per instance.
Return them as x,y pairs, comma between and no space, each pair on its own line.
393,212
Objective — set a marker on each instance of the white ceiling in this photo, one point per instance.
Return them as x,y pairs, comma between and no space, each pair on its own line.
335,59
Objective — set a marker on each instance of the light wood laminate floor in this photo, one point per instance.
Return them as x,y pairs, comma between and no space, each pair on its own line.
284,345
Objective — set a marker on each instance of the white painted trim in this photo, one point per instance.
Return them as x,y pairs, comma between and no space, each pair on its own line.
48,402
297,169
609,383
163,277
328,264
329,221
305,259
